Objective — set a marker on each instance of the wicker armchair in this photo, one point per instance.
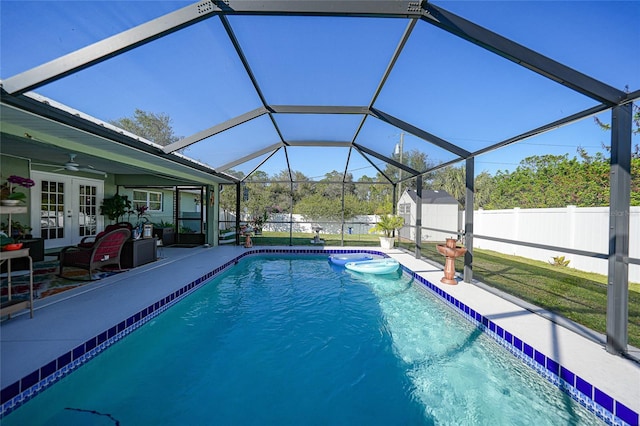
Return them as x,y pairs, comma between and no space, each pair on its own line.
104,252
90,240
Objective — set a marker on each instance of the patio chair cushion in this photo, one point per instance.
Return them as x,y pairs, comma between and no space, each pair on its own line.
105,252
89,241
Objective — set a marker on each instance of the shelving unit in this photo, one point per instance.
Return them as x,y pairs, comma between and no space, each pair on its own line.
11,306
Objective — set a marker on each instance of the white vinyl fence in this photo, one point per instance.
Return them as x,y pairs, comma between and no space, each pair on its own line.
279,222
578,228
357,225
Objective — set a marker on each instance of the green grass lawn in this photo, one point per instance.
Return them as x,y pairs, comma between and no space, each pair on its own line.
304,239
576,295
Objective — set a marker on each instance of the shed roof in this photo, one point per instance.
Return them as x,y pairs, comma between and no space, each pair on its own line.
432,197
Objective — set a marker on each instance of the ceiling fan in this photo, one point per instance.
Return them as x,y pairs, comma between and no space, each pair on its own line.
72,166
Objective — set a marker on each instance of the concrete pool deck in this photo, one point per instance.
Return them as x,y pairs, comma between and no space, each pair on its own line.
64,321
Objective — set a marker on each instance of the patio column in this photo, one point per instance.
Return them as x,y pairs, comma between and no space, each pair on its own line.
238,213
291,213
418,216
213,214
342,225
620,199
468,219
394,194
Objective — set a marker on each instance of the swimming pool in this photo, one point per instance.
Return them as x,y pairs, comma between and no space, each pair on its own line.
284,340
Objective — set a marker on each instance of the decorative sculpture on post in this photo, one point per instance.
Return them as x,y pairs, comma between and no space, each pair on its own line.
450,251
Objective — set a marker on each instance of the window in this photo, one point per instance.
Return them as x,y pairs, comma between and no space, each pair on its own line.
151,199
404,208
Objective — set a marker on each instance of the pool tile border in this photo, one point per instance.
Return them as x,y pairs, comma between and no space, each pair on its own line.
595,400
598,402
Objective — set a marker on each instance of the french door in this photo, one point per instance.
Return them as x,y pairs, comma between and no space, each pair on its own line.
65,208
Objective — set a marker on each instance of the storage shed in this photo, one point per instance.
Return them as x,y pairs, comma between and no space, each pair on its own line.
440,214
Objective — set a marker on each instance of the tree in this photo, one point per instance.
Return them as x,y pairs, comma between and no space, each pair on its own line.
454,181
331,185
635,118
484,184
282,189
255,195
416,160
154,127
636,131
228,193
317,206
557,181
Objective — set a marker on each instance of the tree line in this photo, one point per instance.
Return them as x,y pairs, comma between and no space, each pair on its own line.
539,181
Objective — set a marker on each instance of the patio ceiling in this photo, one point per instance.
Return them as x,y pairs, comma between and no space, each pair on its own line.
253,86
48,136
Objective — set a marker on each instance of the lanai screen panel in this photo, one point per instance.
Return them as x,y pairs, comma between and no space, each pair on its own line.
317,60
457,81
326,160
237,142
445,85
607,51
573,140
23,46
268,165
194,76
318,127
361,169
385,139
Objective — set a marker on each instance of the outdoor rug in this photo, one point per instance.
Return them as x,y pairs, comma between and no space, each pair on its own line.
46,281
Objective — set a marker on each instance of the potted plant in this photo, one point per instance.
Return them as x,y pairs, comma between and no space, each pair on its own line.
258,222
18,230
165,232
8,194
227,236
115,207
386,225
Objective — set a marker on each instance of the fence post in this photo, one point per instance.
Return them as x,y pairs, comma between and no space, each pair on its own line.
418,216
516,225
237,213
342,224
291,213
571,219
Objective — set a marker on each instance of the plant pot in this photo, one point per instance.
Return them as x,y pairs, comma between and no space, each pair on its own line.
191,238
10,202
167,235
387,242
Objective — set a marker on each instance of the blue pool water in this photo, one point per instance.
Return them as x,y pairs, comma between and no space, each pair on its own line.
301,341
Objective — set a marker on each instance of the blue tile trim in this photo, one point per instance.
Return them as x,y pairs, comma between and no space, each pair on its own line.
596,401
602,405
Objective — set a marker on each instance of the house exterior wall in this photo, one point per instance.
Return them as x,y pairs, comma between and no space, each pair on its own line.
167,213
19,167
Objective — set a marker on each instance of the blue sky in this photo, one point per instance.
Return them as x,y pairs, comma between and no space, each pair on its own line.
442,84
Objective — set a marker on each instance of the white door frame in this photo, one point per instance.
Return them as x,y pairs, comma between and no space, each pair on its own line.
70,216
